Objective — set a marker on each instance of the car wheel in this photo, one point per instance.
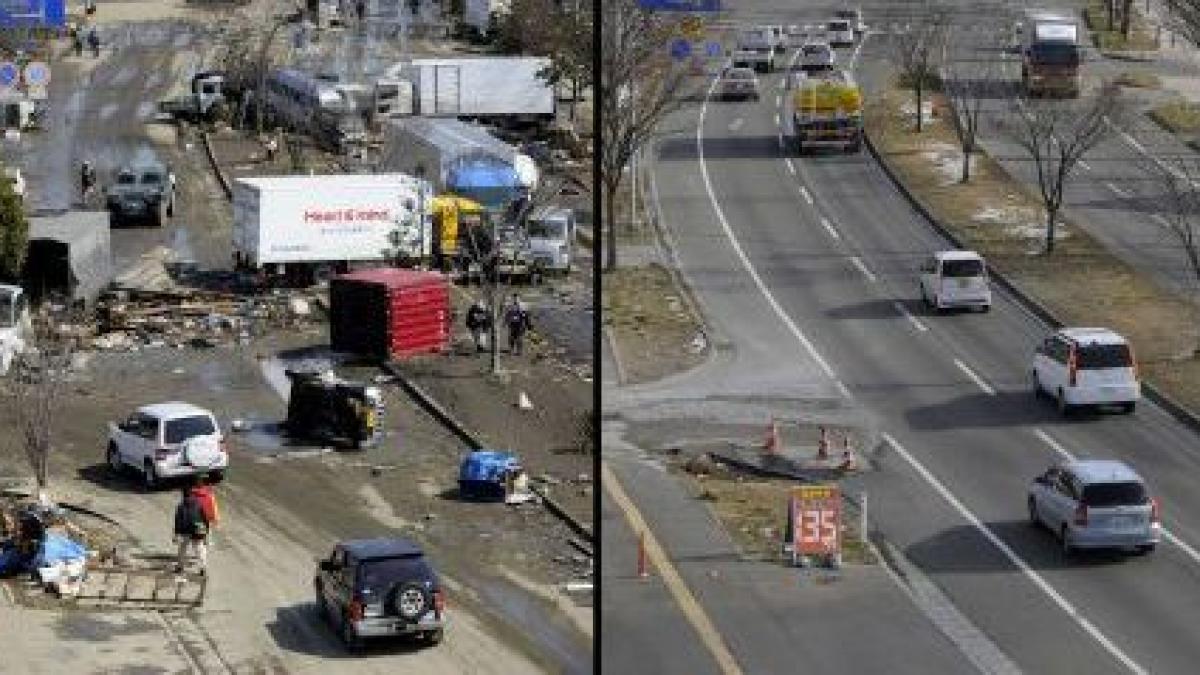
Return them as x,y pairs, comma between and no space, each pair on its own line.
985,309
1128,408
1038,392
1067,549
924,296
1034,519
171,208
1064,408
149,476
114,459
1144,549
216,475
434,637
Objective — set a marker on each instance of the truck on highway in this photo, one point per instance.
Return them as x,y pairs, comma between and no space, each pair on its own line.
826,111
1048,43
205,100
757,48
299,229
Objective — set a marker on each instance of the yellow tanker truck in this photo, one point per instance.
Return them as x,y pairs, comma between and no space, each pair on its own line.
826,112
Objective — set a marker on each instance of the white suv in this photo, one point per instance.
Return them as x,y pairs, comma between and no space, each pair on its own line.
955,279
167,440
1095,503
1086,366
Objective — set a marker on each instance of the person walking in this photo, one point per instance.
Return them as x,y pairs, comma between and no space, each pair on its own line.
87,179
517,319
195,517
479,322
94,42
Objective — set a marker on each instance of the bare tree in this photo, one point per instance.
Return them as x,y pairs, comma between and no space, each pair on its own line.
968,84
918,50
1183,18
34,390
1056,136
1178,181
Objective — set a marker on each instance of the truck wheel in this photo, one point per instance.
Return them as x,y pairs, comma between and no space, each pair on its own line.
171,208
149,476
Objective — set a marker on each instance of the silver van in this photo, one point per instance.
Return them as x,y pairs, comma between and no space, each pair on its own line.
1095,503
551,231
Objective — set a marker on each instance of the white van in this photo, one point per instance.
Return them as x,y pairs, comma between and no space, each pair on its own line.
551,232
1086,366
955,279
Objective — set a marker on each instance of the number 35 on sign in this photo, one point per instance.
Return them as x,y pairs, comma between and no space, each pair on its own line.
815,515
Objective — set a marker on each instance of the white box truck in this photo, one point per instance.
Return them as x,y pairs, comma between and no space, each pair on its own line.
306,227
501,88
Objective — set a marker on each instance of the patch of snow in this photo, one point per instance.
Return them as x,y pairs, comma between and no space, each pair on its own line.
947,159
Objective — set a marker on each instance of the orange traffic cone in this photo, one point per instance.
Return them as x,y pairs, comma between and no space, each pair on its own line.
823,445
772,444
642,571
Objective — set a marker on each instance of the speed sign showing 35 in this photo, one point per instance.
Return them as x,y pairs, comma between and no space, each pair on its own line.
816,518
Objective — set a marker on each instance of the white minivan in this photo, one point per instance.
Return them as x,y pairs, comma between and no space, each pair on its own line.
955,279
1086,366
551,232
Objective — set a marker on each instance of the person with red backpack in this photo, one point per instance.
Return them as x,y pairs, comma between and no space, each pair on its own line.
195,517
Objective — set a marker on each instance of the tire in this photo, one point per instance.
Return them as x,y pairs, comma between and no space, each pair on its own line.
925,296
985,309
1143,549
1038,392
1065,409
171,208
1034,519
433,638
409,600
216,475
1128,408
149,476
1067,549
113,457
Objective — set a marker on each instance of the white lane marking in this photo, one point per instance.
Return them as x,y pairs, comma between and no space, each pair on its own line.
790,166
829,228
737,247
1117,191
776,119
1084,165
1167,534
911,319
842,388
1037,580
778,100
862,267
987,389
807,197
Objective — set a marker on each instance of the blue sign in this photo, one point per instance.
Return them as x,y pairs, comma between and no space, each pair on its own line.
680,5
680,49
713,49
8,74
37,74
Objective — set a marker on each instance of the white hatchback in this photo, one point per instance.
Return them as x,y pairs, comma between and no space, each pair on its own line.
1086,366
955,279
167,440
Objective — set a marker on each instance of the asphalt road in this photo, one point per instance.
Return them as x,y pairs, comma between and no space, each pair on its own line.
952,392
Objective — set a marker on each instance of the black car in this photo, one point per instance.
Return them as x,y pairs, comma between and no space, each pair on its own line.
144,191
376,588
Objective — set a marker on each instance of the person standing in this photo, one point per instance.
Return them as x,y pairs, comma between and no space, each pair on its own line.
195,517
518,321
479,322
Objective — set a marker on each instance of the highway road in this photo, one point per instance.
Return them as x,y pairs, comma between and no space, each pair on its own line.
831,249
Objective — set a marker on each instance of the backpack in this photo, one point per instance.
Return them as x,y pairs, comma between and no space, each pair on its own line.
189,518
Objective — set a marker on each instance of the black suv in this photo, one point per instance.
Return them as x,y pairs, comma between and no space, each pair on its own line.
142,191
384,587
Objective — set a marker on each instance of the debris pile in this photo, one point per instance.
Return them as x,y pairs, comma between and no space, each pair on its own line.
38,540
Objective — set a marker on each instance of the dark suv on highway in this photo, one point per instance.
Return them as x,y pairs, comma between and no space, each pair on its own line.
142,191
372,588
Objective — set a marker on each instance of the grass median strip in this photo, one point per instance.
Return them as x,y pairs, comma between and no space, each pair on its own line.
655,332
1081,283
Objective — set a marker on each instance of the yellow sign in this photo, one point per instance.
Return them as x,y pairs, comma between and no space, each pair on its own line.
814,492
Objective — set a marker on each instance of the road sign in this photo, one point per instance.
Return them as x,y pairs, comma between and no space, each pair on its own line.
680,49
680,5
36,74
713,49
8,74
815,521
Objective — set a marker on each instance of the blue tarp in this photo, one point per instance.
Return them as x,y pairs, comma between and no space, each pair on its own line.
56,547
493,184
487,465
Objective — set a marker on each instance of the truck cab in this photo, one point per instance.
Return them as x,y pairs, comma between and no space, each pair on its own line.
1048,44
16,325
551,237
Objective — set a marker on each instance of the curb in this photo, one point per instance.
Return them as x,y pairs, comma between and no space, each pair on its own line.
618,365
1181,413
472,441
212,158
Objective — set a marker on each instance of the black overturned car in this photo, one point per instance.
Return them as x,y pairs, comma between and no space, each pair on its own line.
380,588
142,192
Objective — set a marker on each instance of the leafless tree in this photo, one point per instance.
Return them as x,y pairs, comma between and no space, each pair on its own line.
1055,136
918,51
1183,18
968,84
35,387
1178,201
639,87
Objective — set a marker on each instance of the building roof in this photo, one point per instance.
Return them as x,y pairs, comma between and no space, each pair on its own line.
1103,471
172,410
381,547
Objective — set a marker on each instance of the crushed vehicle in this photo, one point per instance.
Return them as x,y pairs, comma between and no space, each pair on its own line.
380,588
826,112
168,440
738,83
142,191
325,407
16,325
454,219
205,101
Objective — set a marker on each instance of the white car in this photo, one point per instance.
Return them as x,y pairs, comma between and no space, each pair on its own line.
167,440
1095,503
955,279
738,83
854,16
817,56
840,32
1086,366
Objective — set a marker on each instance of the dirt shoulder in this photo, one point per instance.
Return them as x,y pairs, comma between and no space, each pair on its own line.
1081,283
655,332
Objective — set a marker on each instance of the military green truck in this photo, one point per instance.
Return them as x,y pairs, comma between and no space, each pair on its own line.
144,191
